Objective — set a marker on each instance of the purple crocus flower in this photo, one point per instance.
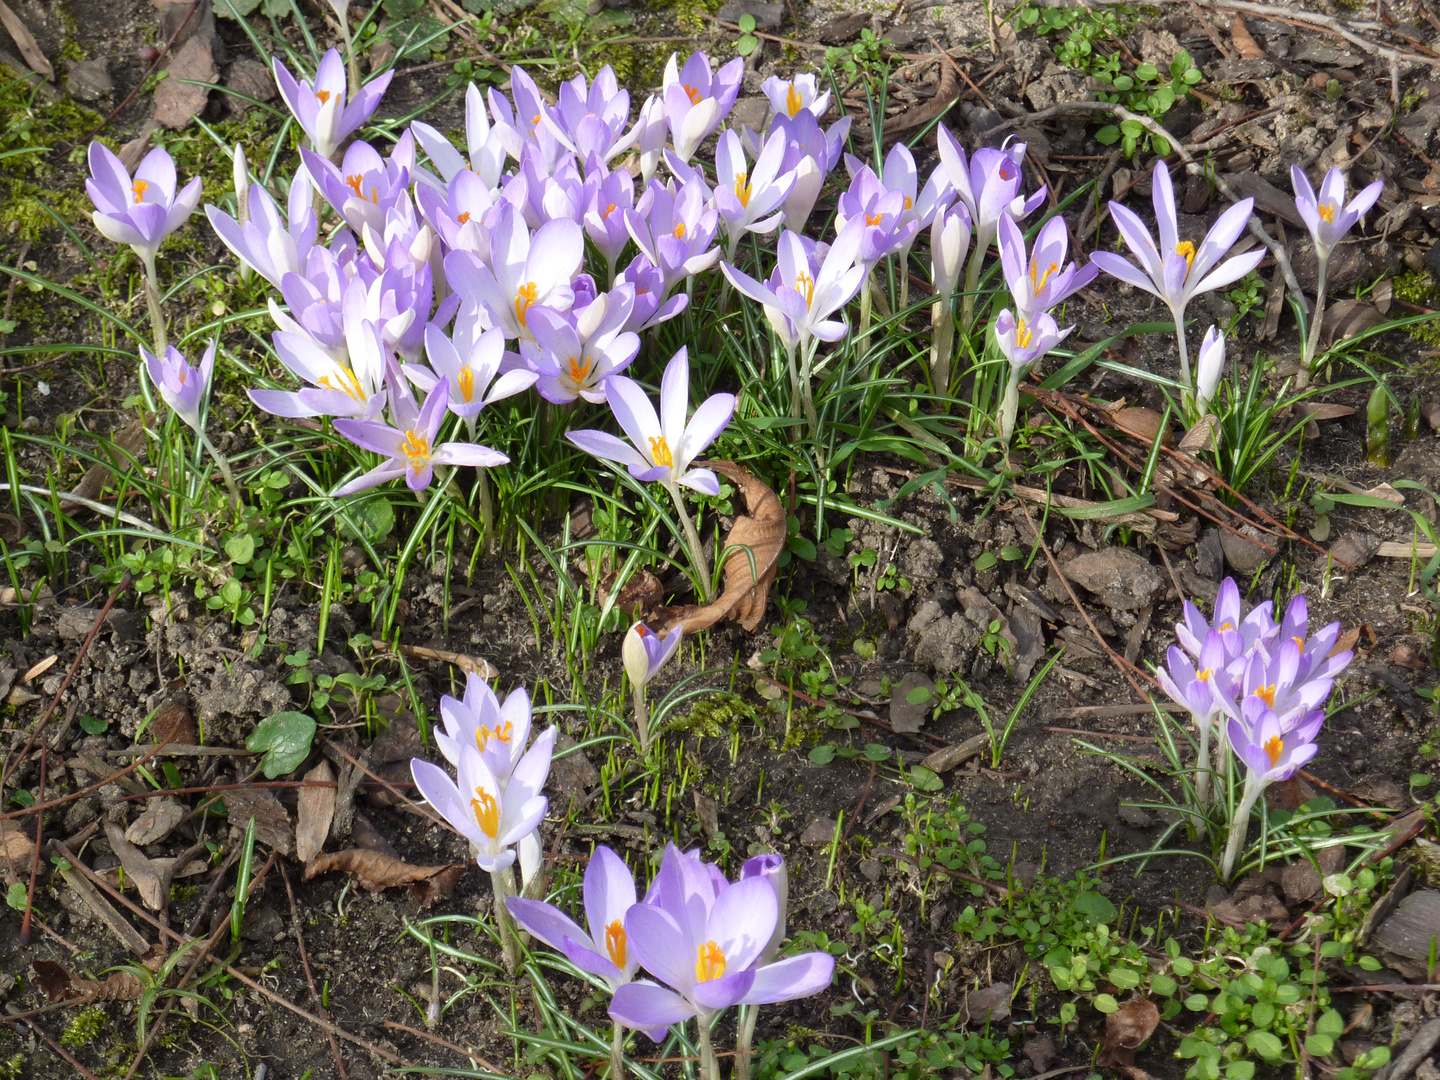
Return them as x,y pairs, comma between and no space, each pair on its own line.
499,732
1191,686
921,204
410,445
349,384
1270,750
458,212
526,126
662,446
1209,366
590,121
183,387
263,241
749,198
1176,271
674,230
1042,280
705,941
1288,687
1239,633
493,816
651,128
810,154
315,299
652,305
141,212
608,197
790,97
882,213
482,141
1327,216
364,186
578,352
988,184
523,271
771,868
697,101
1025,342
320,106
645,652
605,952
469,364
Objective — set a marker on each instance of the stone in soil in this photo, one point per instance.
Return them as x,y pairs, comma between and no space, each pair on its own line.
1121,578
904,716
89,80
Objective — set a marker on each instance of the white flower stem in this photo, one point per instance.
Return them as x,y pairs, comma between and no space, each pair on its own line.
617,1054
235,502
642,717
1312,339
744,1040
972,282
905,283
1187,394
865,305
807,393
1010,403
1203,795
502,884
942,344
709,1068
692,540
152,301
1239,826
487,504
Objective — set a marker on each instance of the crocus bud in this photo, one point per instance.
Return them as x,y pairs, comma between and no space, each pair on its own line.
645,652
949,244
772,869
1209,368
242,198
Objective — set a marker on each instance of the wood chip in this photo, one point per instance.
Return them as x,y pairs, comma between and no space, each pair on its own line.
471,665
40,668
952,757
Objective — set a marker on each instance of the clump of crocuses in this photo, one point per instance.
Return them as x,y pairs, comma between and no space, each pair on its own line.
709,944
1263,684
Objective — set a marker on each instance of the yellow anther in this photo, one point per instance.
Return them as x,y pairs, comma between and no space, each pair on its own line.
416,449
501,733
487,812
1267,695
344,380
1023,334
1186,248
139,188
524,298
742,189
466,379
709,962
805,286
616,942
1274,747
660,452
1327,213
1037,280
793,104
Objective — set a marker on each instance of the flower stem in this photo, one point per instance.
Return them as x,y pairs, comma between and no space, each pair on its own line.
642,717
1203,794
617,1054
1010,404
744,1040
709,1068
942,345
1188,393
698,560
487,505
224,471
972,282
807,393
905,283
502,884
1239,826
1312,339
152,301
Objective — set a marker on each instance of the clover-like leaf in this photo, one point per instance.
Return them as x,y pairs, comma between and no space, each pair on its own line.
284,739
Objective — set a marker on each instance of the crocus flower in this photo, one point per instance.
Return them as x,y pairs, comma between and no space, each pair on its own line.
652,304
771,868
499,732
704,940
881,215
1042,280
1176,271
260,239
674,230
749,198
1191,686
590,120
410,445
577,353
482,142
494,818
349,384
608,198
524,270
697,101
140,212
651,127
810,153
1025,342
609,893
789,97
469,365
1328,217
1238,634
364,187
1288,684
949,241
921,206
1209,366
1270,751
320,107
661,447
526,125
988,183
645,652
183,387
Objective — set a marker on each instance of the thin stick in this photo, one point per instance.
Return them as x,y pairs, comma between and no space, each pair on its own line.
35,862
470,1054
59,1050
305,963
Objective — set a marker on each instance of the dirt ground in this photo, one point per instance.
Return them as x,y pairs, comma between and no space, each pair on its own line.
750,776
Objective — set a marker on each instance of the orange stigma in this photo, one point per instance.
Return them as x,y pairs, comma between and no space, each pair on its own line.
1267,695
692,94
487,812
463,218
616,942
416,449
1274,747
501,733
709,962
353,183
524,298
1327,213
323,96
579,372
1186,248
139,188
1038,282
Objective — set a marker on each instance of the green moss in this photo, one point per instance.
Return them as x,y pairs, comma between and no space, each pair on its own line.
715,716
13,1067
85,1027
1420,288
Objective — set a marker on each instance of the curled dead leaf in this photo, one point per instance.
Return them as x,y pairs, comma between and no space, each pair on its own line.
59,985
314,811
1125,1030
1141,423
29,47
1245,44
754,544
1349,318
373,871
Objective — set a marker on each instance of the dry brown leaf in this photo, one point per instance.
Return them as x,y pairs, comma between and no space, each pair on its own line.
1346,642
1141,422
272,823
15,846
1125,1029
314,812
59,985
40,668
641,595
159,819
29,47
1245,45
131,440
471,665
1349,318
373,872
149,879
1319,410
761,536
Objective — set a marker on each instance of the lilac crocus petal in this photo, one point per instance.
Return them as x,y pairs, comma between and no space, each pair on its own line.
771,868
1326,216
181,386
645,652
648,1007
1208,369
142,212
547,922
791,978
1025,342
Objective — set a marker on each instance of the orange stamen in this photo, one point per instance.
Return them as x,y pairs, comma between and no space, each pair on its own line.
487,812
524,298
660,452
616,942
709,962
139,188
